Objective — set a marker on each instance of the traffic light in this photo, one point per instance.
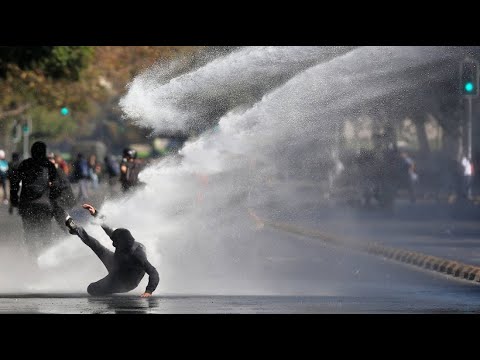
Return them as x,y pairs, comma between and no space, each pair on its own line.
469,77
64,111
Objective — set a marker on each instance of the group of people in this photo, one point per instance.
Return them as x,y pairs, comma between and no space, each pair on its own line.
40,189
87,173
381,174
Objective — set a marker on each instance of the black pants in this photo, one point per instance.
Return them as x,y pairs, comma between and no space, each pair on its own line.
113,282
59,214
37,226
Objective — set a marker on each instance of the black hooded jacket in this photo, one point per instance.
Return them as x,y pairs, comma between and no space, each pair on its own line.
130,259
37,174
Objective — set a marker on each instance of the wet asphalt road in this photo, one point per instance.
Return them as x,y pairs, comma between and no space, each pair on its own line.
340,281
309,277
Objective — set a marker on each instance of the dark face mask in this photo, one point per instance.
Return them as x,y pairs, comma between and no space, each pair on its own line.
122,239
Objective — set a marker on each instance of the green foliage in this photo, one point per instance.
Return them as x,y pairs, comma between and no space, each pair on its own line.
38,81
54,61
51,124
25,57
67,61
47,76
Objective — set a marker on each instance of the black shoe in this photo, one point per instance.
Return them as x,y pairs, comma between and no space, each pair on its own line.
71,225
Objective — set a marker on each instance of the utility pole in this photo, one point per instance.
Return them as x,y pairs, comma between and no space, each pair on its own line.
469,128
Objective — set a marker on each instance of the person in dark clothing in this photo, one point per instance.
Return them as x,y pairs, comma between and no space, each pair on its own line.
13,164
38,176
129,169
12,168
126,266
81,176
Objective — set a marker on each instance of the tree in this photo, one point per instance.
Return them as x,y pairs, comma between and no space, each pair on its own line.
39,81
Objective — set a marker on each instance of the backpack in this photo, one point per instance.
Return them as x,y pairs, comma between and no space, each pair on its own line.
39,188
133,169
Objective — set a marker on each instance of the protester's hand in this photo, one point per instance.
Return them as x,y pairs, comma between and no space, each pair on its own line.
146,294
89,208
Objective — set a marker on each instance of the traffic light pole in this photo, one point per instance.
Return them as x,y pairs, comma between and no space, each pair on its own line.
469,87
469,128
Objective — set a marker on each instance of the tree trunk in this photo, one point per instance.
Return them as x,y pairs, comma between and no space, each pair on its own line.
423,144
450,122
19,110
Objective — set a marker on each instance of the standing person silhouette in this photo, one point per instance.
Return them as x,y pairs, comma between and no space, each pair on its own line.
38,177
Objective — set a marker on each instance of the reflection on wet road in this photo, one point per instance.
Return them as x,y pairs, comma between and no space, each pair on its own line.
242,304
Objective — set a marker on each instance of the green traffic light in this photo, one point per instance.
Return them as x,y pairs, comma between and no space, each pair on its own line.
469,87
64,111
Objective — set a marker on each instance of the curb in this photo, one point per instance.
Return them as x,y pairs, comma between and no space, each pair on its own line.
451,268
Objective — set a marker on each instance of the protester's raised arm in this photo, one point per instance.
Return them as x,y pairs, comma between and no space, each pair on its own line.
94,212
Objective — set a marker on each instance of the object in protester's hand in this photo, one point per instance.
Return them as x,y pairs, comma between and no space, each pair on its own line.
71,224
